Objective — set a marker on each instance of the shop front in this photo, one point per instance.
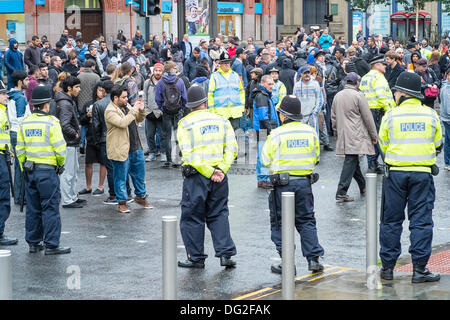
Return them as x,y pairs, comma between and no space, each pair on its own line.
229,19
12,21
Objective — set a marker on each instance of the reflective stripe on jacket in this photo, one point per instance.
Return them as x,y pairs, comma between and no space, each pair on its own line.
376,90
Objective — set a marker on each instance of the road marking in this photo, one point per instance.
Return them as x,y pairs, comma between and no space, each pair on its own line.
181,247
102,237
65,232
141,241
442,229
314,276
355,219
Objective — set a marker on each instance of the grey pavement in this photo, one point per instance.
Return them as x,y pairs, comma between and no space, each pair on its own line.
119,255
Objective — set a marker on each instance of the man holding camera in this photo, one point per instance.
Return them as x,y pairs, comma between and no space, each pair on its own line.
292,151
41,151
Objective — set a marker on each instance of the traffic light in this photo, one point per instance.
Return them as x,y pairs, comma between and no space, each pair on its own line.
328,18
153,8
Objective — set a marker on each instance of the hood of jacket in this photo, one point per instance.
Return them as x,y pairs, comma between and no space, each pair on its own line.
200,79
287,64
15,94
12,42
61,95
169,77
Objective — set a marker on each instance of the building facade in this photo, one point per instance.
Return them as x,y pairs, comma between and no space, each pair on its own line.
349,23
22,19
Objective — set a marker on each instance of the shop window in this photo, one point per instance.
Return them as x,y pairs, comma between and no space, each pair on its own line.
12,26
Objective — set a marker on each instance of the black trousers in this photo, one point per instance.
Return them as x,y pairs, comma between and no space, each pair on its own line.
351,169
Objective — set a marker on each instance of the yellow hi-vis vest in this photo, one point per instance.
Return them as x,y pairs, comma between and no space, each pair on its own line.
294,147
409,136
40,139
206,141
4,129
226,95
376,90
278,93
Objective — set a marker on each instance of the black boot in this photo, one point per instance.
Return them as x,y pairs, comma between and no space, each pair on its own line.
36,248
314,265
188,263
422,274
227,262
387,273
57,250
7,241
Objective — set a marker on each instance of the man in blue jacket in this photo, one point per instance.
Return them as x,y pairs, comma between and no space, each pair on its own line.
13,61
325,39
265,118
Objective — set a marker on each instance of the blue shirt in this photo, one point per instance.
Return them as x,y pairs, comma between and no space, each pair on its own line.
188,49
239,68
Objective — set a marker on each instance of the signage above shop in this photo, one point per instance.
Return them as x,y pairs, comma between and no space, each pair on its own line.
230,8
12,6
258,8
39,2
166,6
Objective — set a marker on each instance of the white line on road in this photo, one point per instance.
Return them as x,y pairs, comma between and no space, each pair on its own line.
102,237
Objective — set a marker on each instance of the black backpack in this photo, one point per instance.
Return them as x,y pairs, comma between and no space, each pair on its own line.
172,98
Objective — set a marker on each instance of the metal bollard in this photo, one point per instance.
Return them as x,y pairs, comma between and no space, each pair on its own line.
372,277
169,247
287,238
5,275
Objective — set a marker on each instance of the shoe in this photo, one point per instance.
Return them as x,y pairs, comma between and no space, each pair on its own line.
344,198
82,150
163,158
73,205
36,248
447,167
7,241
98,192
363,191
191,264
422,274
57,250
110,200
158,153
387,273
314,265
123,208
227,262
175,165
143,202
167,164
81,201
146,153
264,185
150,158
328,148
85,191
276,268
130,199
380,169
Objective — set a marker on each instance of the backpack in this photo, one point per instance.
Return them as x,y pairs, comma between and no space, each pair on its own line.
172,98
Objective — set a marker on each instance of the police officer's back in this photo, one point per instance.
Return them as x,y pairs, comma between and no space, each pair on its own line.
292,152
208,145
409,136
5,147
41,151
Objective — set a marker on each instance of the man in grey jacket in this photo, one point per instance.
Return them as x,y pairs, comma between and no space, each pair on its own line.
153,115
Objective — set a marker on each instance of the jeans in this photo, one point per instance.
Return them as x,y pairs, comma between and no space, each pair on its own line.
151,128
351,169
18,176
169,122
133,166
109,172
83,136
262,173
447,143
377,116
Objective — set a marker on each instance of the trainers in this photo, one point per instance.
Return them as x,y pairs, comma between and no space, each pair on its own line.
447,167
143,202
163,158
151,157
123,208
85,191
344,198
110,200
98,192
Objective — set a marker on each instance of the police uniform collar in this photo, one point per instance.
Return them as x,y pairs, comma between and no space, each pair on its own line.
289,121
40,112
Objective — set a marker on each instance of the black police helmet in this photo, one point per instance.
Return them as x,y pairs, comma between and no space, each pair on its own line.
410,83
196,96
41,94
224,57
291,107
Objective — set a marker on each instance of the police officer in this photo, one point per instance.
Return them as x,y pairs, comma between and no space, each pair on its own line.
41,151
208,145
409,137
5,200
379,96
278,89
226,94
292,151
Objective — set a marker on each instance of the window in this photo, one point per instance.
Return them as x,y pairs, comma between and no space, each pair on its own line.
83,4
280,12
314,11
